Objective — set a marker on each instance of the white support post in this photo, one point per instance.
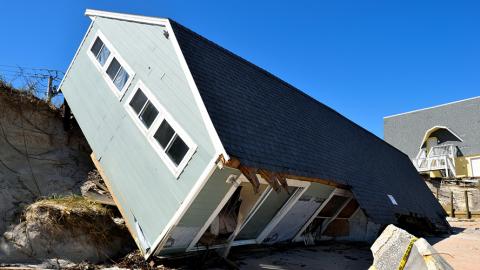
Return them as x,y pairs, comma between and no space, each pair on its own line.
330,220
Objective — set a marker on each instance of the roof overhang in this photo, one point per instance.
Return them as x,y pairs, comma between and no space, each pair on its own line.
126,17
435,128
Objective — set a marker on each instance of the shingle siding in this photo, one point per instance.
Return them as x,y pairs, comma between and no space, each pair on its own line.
267,123
406,131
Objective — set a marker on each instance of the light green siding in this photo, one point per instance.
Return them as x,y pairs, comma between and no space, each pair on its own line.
140,180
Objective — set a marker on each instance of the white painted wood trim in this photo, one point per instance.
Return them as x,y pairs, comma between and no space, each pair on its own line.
432,107
303,186
470,160
196,94
431,130
334,192
241,178
215,213
103,69
256,206
163,114
76,53
324,227
234,244
126,17
184,206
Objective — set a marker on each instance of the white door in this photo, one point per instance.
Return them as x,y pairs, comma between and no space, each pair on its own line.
475,162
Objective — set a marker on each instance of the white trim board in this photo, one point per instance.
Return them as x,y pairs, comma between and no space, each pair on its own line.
302,186
196,94
119,93
150,132
432,107
338,192
433,129
215,213
241,179
199,184
126,17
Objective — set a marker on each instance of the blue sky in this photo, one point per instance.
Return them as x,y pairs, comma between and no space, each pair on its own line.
366,59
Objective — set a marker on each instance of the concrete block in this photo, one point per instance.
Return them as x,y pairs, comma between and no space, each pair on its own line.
393,244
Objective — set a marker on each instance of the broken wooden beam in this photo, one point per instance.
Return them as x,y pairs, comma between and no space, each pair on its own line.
275,179
251,175
271,179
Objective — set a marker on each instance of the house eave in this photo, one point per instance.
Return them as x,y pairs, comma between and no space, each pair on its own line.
126,17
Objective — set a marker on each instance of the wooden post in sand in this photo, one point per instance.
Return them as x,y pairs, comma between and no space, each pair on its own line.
452,209
469,215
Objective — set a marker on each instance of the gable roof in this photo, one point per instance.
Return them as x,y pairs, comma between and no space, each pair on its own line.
267,123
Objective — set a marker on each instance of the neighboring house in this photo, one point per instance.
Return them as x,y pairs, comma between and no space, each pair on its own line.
442,141
202,149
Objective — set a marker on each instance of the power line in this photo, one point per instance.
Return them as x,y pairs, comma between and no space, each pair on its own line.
33,68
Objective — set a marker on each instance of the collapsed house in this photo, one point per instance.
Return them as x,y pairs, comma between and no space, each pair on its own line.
442,141
202,149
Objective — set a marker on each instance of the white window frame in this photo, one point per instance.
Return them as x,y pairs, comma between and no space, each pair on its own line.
150,132
119,93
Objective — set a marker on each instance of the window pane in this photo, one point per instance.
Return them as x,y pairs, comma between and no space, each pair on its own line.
121,79
138,100
149,114
112,70
103,55
96,46
177,150
164,134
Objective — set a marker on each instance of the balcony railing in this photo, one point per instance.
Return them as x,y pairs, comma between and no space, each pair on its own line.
439,158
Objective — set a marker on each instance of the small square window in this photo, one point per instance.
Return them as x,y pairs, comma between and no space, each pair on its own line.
97,46
177,151
164,134
103,55
145,110
100,51
112,70
149,114
138,101
121,78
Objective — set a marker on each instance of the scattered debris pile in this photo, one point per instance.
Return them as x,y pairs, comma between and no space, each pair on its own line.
72,228
397,249
94,188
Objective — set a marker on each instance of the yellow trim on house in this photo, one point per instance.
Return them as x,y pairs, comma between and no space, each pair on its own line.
469,164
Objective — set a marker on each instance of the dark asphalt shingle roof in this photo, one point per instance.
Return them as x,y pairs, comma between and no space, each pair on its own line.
267,123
